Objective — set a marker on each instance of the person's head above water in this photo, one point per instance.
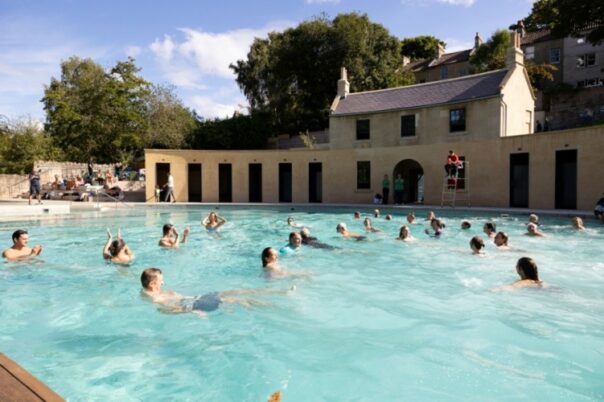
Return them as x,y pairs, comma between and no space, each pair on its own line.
167,228
527,269
305,233
116,246
388,217
403,232
476,244
578,223
489,228
532,228
269,255
20,237
367,222
376,213
295,239
437,224
411,217
151,278
534,218
341,227
501,239
357,215
430,216
466,225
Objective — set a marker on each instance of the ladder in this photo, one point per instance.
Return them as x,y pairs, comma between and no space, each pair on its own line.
456,188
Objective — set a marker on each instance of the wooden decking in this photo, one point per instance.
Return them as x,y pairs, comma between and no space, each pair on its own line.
17,385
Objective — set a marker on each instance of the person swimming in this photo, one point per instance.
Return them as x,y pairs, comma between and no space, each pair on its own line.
533,230
388,217
430,216
271,268
533,218
20,250
369,226
376,213
294,244
342,229
357,215
171,302
529,275
501,241
489,229
308,240
212,222
465,225
117,251
437,226
291,222
404,234
411,217
578,223
477,245
170,237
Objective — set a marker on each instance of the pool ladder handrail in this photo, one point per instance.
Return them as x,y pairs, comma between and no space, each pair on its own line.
450,195
117,200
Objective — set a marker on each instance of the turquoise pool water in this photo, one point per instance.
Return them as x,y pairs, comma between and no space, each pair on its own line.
379,320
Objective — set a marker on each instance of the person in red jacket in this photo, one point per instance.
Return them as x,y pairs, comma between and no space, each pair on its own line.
453,163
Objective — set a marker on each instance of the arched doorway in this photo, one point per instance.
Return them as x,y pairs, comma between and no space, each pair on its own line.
413,174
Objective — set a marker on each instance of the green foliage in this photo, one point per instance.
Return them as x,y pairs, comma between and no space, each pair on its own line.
308,139
292,74
568,18
237,132
491,55
421,47
21,144
91,113
540,74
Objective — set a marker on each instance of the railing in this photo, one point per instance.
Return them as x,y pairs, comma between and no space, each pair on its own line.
117,200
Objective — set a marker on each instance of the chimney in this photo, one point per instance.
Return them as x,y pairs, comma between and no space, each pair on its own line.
514,56
343,84
477,41
520,29
441,51
406,61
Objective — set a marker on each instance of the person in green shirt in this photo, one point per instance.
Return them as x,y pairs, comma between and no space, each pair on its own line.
399,189
385,189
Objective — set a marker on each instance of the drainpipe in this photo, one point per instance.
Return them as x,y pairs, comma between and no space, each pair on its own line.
504,120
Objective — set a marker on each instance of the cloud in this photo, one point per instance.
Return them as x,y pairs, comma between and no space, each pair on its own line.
209,108
322,1
465,3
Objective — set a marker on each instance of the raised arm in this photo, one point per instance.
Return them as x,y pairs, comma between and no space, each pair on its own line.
106,253
221,221
185,234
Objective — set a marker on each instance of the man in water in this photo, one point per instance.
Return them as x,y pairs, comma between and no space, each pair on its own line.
170,237
308,240
20,250
171,302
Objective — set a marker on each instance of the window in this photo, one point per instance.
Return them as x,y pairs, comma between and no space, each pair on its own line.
363,175
444,72
554,56
408,126
590,82
457,120
586,60
362,129
529,53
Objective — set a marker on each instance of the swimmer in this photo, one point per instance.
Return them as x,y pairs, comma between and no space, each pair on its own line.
170,238
212,222
357,215
271,268
388,217
404,234
465,225
343,230
411,217
533,230
291,222
369,226
430,216
171,302
308,240
19,250
489,229
295,241
501,241
376,213
534,219
477,244
529,275
578,223
116,250
438,226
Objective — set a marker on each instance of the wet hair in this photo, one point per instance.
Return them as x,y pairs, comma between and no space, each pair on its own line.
438,222
527,269
357,214
531,225
290,219
341,226
17,234
388,217
477,242
148,276
366,221
167,228
116,246
504,236
400,232
466,225
533,218
490,226
266,255
376,213
304,233
293,234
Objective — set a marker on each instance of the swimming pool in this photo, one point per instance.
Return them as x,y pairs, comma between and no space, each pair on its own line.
378,319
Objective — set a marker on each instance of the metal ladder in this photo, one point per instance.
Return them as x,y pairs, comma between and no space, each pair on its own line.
452,193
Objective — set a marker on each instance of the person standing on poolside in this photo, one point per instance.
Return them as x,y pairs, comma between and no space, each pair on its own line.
34,186
170,188
170,237
20,250
385,189
399,189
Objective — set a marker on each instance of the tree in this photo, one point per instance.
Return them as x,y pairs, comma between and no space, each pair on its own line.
292,74
91,113
421,47
491,55
568,18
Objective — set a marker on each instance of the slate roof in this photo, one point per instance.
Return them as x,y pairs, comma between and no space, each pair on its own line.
535,37
432,93
445,59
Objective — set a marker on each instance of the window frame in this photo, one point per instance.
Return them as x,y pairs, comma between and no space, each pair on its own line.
457,127
403,126
584,58
360,130
552,51
363,178
529,53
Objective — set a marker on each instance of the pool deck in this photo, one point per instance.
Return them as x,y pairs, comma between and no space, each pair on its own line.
17,385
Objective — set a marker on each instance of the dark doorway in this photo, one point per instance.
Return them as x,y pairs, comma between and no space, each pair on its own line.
315,182
519,180
194,182
566,179
255,182
225,183
161,178
285,182
413,175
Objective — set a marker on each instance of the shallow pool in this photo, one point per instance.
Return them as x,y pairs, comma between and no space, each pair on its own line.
378,320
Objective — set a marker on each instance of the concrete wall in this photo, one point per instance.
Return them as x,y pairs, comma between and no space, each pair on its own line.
432,126
488,170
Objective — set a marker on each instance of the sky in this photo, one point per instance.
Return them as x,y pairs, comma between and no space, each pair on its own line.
189,44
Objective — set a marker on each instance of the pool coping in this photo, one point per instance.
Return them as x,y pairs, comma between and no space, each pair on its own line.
18,385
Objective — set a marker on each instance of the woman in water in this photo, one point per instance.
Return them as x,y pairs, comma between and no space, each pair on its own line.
343,230
404,234
369,226
438,226
501,241
430,216
291,222
170,237
533,230
212,222
477,244
116,250
411,217
294,245
578,223
529,275
489,229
